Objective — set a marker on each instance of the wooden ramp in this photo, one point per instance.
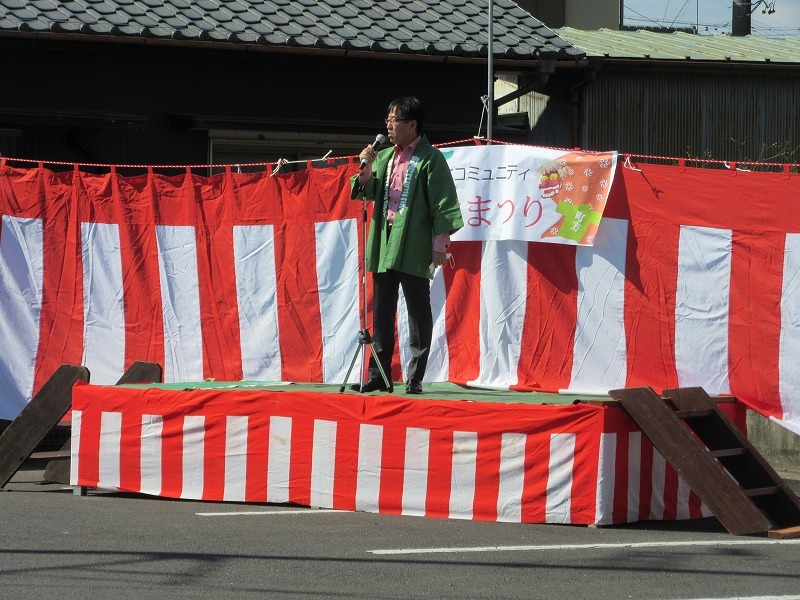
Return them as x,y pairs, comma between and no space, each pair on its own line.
37,419
715,458
57,470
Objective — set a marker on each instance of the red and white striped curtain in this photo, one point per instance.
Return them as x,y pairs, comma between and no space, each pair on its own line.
693,280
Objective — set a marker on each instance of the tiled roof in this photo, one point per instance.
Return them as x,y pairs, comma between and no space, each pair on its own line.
682,46
421,27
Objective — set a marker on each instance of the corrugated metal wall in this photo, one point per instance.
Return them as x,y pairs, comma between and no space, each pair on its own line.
732,115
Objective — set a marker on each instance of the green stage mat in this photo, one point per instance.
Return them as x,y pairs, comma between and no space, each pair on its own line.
432,391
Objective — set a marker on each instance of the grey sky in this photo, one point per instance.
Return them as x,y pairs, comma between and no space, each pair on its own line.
714,16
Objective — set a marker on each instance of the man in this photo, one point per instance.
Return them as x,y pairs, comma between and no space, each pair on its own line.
415,211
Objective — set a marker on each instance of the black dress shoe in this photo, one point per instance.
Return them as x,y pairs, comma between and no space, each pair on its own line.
371,385
413,387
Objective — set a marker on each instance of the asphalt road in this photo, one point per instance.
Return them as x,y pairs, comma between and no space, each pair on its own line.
120,546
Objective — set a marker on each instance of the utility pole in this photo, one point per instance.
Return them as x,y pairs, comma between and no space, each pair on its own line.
490,77
740,18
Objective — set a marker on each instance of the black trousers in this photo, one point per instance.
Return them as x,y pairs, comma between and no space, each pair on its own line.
417,292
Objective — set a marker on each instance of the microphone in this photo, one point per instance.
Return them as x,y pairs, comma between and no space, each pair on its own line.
379,139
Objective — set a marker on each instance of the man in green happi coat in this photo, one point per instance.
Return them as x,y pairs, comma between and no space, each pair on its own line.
415,211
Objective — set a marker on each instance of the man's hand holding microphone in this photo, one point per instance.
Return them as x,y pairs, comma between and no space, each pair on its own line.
369,153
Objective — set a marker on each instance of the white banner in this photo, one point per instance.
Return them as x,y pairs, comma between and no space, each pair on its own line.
530,194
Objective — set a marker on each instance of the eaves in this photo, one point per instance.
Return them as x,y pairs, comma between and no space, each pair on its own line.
512,64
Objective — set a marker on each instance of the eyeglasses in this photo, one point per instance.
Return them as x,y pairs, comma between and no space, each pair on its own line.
393,120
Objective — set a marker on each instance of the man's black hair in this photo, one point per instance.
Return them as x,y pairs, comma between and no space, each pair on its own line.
410,108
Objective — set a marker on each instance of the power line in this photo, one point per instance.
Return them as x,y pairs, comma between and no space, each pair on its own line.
644,18
680,13
641,18
635,18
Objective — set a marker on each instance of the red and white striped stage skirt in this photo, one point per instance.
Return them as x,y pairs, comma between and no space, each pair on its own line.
532,463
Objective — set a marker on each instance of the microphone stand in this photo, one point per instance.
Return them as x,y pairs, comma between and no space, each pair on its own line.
364,337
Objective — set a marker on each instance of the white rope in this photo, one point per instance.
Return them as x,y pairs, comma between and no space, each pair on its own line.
484,101
629,165
283,161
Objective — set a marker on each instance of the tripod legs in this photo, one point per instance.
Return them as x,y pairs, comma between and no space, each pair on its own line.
365,339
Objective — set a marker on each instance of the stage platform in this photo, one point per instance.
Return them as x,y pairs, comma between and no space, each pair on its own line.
452,452
431,391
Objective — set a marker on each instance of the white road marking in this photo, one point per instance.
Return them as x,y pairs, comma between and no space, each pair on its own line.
765,542
793,597
248,513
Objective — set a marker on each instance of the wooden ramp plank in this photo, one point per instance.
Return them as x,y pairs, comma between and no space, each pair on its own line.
39,416
681,448
142,372
57,470
759,481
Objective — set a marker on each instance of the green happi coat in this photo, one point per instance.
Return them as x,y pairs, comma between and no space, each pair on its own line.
425,211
